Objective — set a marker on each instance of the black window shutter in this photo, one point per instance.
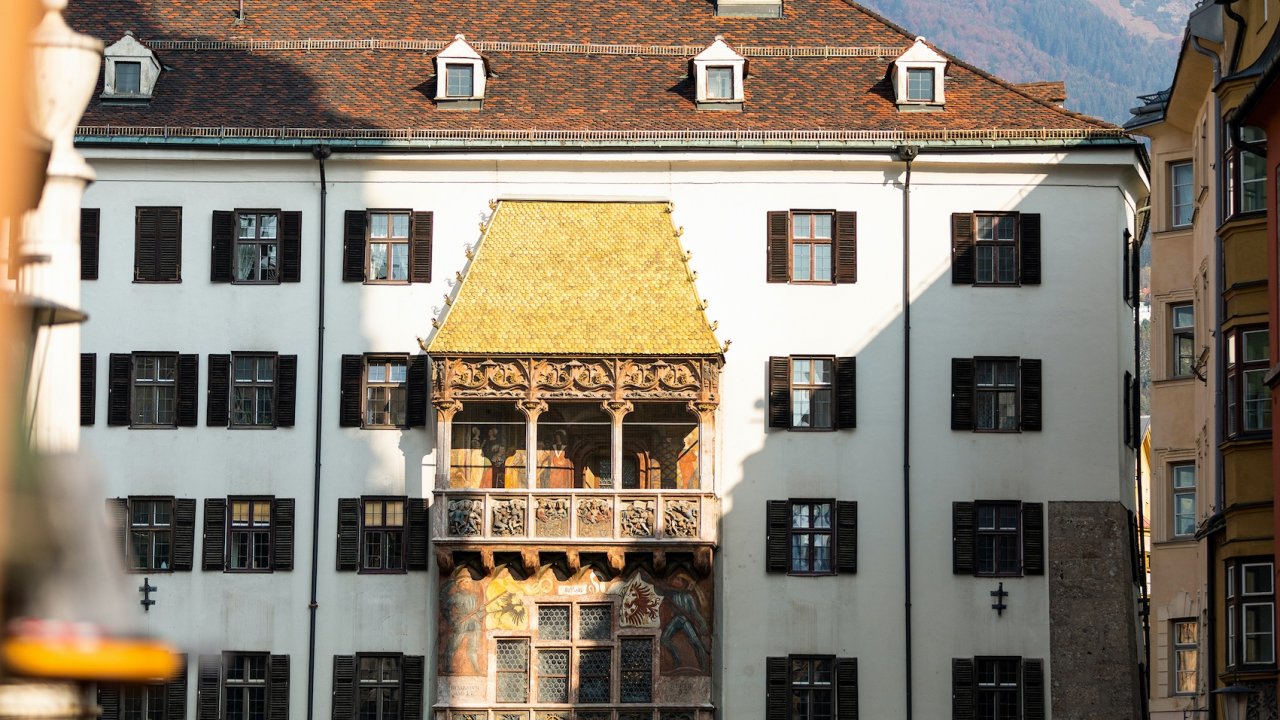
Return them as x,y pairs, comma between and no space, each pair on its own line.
291,246
1033,707
418,558
184,534
145,241
1127,392
286,390
846,536
344,687
778,257
282,550
846,250
962,262
416,403
215,534
109,701
119,368
88,387
1135,413
353,246
118,519
420,248
776,701
962,528
961,393
1126,288
1135,273
222,240
1030,249
217,404
846,393
777,536
349,414
846,689
188,384
779,392
207,705
962,700
169,244
413,679
1135,564
349,534
1033,538
1032,391
90,224
278,687
176,692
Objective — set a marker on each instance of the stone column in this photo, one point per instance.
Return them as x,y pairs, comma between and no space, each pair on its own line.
445,410
617,410
531,409
65,68
706,412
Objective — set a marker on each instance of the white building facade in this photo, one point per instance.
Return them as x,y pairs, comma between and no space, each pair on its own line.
328,549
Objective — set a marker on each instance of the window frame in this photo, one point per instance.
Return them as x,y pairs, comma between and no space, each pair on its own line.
1235,383
1233,167
449,69
245,685
814,242
995,243
829,532
151,529
1174,206
398,684
1178,332
115,77
716,70
1238,602
257,385
812,387
1176,670
251,529
997,532
386,531
154,384
928,72
365,385
237,241
812,686
996,389
390,241
997,689
1176,491
149,694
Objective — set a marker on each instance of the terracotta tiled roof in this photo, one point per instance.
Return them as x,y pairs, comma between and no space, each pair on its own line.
344,89
577,278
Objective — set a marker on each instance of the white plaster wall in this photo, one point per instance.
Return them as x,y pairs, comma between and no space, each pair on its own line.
1075,322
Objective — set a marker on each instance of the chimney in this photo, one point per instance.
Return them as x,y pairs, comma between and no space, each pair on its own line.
749,8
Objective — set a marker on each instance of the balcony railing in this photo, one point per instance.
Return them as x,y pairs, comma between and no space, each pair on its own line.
580,516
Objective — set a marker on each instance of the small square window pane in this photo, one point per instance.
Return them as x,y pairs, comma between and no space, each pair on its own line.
1257,579
378,373
799,371
821,262
821,405
268,227
1255,346
822,226
1184,316
800,409
720,83
266,369
372,513
377,261
822,553
800,672
986,517
261,512
378,225
1184,476
800,261
400,225
399,262
800,515
821,372
244,369
166,368
1004,228
240,511
399,372
128,77
822,515
248,226
801,226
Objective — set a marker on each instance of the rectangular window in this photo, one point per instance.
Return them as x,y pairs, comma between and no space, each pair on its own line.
811,535
378,687
244,689
594,672
128,78
1251,629
720,83
157,244
811,392
154,392
811,247
998,543
1248,397
388,247
1186,652
1181,199
996,394
143,702
920,84
386,387
1184,499
812,688
460,79
998,689
150,534
382,534
512,671
249,537
253,391
256,243
636,684
553,676
577,657
1182,334
1253,173
996,249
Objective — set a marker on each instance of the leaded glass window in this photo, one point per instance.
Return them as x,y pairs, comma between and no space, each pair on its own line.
553,676
553,622
593,675
595,622
512,671
637,670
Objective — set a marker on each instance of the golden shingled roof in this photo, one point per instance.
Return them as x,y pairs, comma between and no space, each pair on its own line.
577,278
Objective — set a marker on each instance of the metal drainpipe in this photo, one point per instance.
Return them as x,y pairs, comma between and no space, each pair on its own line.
320,152
1135,277
906,153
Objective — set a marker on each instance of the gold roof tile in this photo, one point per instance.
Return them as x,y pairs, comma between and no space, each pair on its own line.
577,278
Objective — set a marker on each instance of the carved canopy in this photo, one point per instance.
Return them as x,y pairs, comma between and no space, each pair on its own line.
694,379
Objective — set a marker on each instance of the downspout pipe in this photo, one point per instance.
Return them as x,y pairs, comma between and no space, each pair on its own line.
1238,42
907,154
1144,685
320,153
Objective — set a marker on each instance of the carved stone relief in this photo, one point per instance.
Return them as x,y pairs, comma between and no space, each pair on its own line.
601,378
595,517
552,517
508,517
466,516
637,518
680,518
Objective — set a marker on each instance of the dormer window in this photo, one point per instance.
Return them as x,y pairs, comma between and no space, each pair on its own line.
131,72
919,77
718,76
460,76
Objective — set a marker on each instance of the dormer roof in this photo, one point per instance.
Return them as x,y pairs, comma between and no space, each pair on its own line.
459,49
130,51
920,52
719,51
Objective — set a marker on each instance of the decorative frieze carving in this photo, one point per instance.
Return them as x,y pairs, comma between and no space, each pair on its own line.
690,379
551,519
508,517
637,518
595,517
680,518
466,516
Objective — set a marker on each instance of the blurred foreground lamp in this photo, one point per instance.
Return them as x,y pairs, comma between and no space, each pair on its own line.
1235,700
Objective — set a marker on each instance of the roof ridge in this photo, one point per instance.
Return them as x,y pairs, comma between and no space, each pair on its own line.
1012,87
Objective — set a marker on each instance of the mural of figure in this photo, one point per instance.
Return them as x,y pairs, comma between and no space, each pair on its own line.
461,626
685,621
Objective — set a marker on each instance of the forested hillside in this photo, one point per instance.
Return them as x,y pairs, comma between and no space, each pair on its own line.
1108,51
